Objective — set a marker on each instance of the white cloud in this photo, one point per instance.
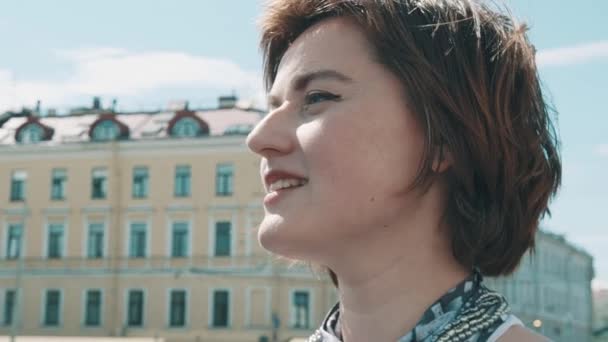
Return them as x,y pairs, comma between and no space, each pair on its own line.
113,72
572,54
602,150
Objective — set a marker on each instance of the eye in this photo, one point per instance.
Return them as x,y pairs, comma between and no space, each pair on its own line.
314,97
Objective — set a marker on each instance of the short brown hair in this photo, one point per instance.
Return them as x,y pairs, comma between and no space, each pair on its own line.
471,80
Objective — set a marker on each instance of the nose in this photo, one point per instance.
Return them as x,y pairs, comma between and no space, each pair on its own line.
273,135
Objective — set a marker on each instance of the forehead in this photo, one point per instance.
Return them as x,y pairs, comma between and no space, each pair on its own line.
338,44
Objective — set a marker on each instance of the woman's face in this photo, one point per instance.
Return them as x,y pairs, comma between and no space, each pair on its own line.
340,133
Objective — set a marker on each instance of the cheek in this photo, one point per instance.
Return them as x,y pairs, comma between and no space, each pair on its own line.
358,168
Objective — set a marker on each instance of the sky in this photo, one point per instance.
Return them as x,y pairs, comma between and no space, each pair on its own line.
147,53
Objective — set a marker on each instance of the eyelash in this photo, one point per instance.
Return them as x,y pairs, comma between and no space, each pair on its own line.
315,97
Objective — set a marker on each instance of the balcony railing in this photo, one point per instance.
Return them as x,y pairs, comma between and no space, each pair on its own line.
200,264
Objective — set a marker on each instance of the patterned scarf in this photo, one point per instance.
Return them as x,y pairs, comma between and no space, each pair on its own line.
470,312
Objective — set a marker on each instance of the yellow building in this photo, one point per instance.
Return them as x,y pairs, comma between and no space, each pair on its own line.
143,224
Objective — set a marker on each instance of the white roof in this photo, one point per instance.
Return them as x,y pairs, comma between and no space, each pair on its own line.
75,128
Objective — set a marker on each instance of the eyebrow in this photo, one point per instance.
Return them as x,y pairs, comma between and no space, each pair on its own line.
301,81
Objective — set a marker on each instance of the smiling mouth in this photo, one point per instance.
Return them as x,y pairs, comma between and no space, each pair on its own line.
285,184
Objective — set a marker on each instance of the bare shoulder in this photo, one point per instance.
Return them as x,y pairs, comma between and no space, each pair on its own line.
518,333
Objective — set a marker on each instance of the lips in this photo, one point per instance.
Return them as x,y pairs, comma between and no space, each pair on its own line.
280,179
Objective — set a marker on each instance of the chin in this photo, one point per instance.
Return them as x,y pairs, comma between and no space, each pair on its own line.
279,241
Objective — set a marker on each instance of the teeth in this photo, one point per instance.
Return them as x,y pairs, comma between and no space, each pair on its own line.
286,183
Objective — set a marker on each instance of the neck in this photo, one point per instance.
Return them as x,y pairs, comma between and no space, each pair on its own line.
384,296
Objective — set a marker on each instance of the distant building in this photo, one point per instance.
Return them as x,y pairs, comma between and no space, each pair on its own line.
143,224
551,290
600,305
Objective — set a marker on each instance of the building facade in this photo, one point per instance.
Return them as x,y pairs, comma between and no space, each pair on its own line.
600,307
145,224
551,290
142,225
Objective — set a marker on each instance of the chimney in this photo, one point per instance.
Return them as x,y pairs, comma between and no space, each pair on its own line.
227,101
37,110
96,103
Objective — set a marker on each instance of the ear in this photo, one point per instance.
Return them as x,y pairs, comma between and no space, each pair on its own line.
443,159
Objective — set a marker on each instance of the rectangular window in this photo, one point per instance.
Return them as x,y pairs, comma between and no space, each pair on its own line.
13,241
182,181
224,175
220,308
92,315
52,308
179,239
10,299
99,183
140,182
18,182
177,313
301,306
55,241
138,240
222,238
58,180
135,310
95,240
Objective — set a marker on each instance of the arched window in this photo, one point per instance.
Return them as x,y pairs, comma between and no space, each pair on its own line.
186,127
105,130
31,133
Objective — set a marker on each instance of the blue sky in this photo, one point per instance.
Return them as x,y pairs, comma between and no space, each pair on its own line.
147,53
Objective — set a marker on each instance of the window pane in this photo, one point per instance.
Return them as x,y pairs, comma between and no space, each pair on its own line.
95,240
13,243
220,308
55,241
99,185
58,180
182,181
138,240
301,306
179,243
51,312
9,306
222,238
186,127
31,133
18,182
178,308
105,130
93,308
140,182
135,315
224,179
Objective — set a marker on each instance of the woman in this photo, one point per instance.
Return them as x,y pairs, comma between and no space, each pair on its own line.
408,150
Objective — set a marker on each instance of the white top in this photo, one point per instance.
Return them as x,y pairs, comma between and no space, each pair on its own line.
509,322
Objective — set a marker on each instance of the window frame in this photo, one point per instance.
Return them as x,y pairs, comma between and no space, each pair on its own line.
127,307
143,191
18,186
186,308
85,303
179,191
44,318
224,179
103,191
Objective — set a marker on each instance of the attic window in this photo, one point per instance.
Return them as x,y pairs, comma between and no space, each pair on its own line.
106,130
31,133
186,127
238,129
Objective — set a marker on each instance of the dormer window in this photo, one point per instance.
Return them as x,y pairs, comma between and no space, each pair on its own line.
30,133
106,130
186,127
238,129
